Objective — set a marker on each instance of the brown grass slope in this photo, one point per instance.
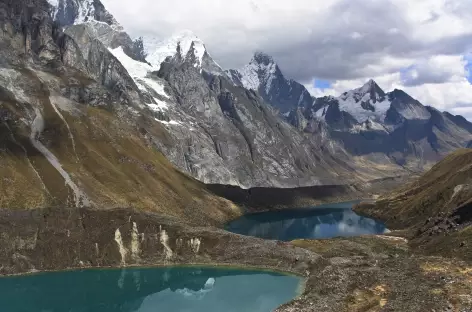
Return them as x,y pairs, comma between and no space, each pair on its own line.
106,157
435,210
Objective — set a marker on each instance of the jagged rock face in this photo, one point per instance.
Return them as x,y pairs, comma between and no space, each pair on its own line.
101,64
99,23
459,121
206,122
235,138
368,122
72,12
74,126
264,75
390,126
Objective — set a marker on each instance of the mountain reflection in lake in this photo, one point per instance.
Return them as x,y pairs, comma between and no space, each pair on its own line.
324,221
176,289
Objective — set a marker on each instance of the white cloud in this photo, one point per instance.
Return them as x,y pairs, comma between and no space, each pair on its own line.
436,69
445,96
343,41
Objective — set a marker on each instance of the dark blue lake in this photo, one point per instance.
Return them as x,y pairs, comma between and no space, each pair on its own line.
324,221
176,289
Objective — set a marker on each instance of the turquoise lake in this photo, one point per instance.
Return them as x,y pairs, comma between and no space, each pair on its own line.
324,221
179,289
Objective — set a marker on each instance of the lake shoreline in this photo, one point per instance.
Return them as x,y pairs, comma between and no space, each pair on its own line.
331,269
317,222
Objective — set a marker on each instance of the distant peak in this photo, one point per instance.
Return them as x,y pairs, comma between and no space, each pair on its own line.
262,58
370,84
371,87
181,42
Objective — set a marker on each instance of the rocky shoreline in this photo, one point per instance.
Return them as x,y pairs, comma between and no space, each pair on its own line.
58,239
345,274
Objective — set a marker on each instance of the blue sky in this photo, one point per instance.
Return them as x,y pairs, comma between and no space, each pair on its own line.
468,66
322,84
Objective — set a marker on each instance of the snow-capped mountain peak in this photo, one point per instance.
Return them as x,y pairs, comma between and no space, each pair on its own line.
182,42
261,70
262,58
368,101
370,90
74,12
86,11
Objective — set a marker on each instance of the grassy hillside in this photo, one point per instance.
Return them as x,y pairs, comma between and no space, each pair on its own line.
435,210
105,156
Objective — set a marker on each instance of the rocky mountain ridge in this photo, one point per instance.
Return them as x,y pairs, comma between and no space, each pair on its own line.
383,127
362,126
74,130
218,128
102,25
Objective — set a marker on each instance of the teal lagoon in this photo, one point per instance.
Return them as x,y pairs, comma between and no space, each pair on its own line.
166,289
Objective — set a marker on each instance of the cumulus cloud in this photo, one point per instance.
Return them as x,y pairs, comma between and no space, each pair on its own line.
419,46
435,70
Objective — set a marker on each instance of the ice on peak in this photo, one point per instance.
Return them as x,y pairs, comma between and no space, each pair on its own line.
370,87
368,101
370,83
54,3
86,11
159,50
370,92
262,58
139,72
185,38
261,70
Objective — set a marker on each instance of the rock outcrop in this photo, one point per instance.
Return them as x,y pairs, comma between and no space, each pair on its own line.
387,129
73,126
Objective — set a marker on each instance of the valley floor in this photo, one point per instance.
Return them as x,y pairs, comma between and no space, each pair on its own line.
372,273
382,273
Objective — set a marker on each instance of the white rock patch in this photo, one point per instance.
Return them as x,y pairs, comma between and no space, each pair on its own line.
164,239
194,244
119,241
135,242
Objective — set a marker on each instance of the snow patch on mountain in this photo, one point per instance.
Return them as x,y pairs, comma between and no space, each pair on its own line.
170,123
369,105
55,5
76,12
368,125
155,85
366,102
86,11
257,73
354,108
321,113
138,71
160,106
249,77
159,50
135,69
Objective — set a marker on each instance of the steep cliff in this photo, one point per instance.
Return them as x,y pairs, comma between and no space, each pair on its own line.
72,127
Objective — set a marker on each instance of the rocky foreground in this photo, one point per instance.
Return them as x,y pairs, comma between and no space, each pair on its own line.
424,265
377,273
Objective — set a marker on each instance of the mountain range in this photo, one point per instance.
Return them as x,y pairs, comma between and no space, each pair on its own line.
91,116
